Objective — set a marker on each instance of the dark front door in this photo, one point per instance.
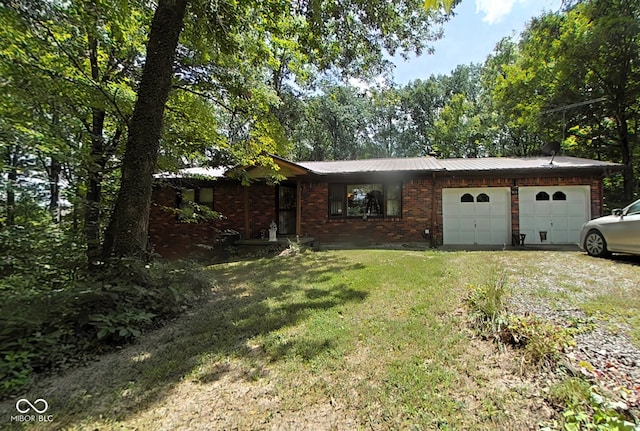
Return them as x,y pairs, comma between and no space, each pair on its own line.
287,209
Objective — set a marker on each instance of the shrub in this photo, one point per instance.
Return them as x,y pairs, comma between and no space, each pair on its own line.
44,327
541,342
487,303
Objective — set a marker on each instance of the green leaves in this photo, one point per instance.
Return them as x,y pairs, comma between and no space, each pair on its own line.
447,5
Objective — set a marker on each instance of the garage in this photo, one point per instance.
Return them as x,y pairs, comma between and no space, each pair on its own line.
476,215
553,215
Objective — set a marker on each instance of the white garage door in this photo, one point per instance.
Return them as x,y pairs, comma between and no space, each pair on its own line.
476,216
553,215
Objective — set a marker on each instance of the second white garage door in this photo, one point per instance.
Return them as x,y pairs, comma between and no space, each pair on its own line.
476,216
553,215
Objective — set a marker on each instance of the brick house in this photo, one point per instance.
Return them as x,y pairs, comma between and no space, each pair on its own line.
539,200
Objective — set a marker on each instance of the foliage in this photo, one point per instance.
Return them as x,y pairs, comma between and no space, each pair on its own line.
584,408
54,319
541,342
487,303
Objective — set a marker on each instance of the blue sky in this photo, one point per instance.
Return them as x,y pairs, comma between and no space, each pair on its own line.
471,35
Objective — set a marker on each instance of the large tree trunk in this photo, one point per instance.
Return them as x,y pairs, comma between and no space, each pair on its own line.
12,158
127,232
95,175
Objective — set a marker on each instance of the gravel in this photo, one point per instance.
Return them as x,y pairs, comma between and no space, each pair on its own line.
555,286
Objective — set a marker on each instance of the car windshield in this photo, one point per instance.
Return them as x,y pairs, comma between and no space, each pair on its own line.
634,208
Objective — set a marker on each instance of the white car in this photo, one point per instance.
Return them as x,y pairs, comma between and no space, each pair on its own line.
615,233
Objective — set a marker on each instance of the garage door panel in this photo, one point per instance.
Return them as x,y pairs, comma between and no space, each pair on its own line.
483,209
576,210
558,209
477,222
561,217
560,224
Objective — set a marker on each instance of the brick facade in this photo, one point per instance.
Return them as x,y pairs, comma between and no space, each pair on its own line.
250,209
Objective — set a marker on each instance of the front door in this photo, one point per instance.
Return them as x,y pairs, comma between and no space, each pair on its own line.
287,209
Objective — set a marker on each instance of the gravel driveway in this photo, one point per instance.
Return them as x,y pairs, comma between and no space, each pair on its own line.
565,287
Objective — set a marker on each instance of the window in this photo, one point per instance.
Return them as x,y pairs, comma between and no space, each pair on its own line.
542,196
394,193
192,201
559,196
634,209
364,199
467,197
336,199
370,200
482,197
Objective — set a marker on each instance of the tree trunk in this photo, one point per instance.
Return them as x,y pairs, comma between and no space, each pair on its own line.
627,159
12,158
127,232
95,175
53,174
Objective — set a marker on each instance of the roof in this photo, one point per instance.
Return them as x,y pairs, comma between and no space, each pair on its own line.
411,165
201,172
415,164
431,164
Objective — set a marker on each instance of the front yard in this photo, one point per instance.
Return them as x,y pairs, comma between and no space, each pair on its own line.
366,339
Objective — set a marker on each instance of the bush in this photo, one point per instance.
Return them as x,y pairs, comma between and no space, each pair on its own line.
48,327
541,342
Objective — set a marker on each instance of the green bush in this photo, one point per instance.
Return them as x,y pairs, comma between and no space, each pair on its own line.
46,325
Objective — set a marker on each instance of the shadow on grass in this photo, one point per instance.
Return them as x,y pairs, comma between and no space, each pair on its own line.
252,299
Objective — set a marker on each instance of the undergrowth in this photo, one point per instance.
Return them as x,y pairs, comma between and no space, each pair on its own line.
56,323
542,344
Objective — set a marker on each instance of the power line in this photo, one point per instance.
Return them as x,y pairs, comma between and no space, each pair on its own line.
574,105
565,108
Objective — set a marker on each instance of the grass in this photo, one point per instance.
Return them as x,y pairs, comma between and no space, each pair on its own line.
356,339
618,306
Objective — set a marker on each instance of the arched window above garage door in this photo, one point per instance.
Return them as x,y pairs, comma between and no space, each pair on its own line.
483,197
542,196
467,197
559,196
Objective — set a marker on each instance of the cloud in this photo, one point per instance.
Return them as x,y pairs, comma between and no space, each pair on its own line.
494,10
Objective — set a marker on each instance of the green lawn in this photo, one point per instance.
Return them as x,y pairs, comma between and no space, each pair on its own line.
358,339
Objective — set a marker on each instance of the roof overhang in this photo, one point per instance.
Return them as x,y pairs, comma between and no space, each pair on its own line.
280,168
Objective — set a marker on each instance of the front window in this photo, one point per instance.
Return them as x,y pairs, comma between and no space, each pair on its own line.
195,203
365,199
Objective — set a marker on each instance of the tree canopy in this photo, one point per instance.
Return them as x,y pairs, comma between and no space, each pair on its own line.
96,101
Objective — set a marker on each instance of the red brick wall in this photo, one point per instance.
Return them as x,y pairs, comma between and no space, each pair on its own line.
421,209
416,216
172,238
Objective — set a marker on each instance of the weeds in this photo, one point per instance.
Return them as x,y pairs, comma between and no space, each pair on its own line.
585,409
541,342
46,329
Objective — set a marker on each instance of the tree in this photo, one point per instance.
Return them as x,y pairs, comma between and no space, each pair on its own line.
590,53
350,35
73,65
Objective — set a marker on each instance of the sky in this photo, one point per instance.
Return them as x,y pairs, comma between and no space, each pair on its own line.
471,35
